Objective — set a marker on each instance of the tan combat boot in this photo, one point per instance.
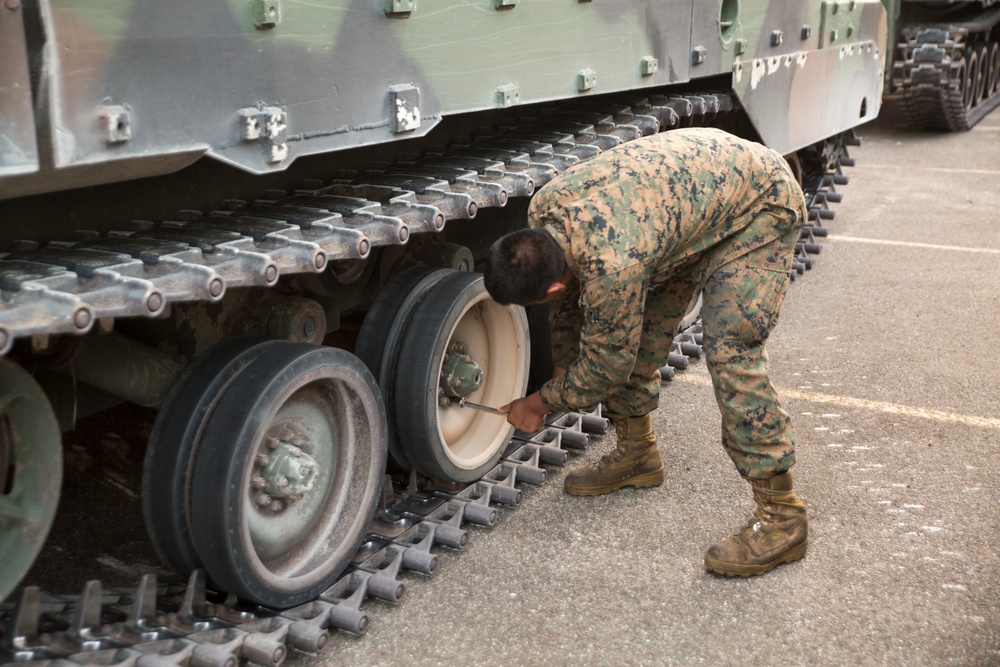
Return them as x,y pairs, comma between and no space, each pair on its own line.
777,533
634,462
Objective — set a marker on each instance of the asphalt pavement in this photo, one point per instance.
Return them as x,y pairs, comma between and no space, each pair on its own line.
886,358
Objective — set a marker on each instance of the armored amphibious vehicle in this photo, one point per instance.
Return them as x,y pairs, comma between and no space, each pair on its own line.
263,218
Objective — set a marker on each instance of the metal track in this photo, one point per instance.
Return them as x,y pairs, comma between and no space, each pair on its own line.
66,287
69,287
187,625
931,69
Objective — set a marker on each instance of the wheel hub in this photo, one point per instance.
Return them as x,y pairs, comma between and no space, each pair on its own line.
461,376
284,474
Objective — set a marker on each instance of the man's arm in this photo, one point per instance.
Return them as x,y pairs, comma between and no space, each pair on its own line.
608,344
609,340
566,322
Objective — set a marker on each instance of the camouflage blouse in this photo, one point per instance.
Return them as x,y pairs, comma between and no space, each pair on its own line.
630,218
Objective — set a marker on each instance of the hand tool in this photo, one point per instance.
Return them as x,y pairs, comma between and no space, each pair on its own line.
462,403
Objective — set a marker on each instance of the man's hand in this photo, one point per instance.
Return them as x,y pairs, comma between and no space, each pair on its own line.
526,414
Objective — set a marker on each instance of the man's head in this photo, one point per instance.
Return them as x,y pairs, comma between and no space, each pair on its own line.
524,267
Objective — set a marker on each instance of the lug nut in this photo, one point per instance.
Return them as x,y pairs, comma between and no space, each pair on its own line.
263,499
262,460
271,441
283,483
277,506
258,482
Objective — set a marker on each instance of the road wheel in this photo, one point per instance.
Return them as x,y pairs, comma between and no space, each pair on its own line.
993,82
30,472
980,92
381,335
288,473
971,79
166,477
458,342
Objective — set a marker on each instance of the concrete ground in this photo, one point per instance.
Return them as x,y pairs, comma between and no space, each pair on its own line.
886,358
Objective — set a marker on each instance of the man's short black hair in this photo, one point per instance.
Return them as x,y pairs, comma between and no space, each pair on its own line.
521,266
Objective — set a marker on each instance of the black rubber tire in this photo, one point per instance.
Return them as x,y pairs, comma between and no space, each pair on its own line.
423,346
971,78
374,332
993,84
289,381
980,93
166,475
381,333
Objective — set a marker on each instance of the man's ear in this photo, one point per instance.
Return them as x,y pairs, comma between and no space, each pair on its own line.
555,289
560,284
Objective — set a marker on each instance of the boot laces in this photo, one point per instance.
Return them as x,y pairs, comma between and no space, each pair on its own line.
763,513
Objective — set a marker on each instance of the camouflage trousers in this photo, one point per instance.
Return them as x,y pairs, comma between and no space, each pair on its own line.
741,302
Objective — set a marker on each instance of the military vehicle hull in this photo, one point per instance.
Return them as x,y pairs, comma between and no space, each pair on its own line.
263,219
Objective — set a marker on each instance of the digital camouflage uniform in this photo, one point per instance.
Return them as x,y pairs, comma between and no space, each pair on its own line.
646,225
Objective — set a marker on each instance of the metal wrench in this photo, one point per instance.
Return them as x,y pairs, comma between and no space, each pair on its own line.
462,403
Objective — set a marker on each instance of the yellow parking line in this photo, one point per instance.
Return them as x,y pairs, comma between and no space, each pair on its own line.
913,244
864,404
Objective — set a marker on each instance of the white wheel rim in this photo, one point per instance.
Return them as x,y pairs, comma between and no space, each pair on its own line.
493,334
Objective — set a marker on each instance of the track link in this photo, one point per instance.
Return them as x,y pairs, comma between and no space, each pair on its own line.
947,76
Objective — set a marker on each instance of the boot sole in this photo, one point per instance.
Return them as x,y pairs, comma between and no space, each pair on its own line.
644,480
736,570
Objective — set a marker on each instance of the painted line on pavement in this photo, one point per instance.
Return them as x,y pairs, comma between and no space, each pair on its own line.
913,244
945,170
864,404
